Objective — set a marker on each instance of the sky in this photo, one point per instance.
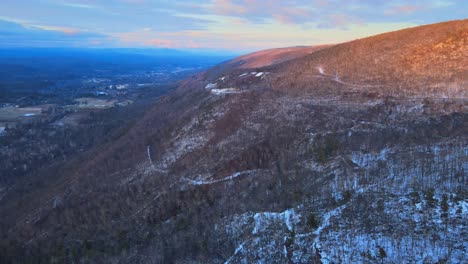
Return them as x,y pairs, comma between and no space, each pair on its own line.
235,25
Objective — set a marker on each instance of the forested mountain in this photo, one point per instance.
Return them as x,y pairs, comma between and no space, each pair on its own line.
347,153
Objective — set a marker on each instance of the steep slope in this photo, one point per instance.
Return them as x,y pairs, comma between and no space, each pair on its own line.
264,58
273,56
427,61
356,152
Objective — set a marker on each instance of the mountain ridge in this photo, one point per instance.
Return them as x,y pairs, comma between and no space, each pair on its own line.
299,152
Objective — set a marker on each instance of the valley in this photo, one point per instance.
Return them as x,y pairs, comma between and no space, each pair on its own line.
59,112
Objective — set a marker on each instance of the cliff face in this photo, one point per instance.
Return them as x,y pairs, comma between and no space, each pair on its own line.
352,153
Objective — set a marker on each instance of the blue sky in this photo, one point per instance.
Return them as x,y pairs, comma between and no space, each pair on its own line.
238,25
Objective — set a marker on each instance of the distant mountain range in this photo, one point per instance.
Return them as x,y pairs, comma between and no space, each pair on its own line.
154,52
347,153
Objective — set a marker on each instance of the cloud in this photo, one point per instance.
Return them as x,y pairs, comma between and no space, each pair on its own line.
340,21
256,11
403,10
229,8
256,39
250,23
160,43
78,4
66,30
24,35
335,13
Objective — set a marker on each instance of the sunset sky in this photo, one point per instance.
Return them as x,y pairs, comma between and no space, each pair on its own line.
237,25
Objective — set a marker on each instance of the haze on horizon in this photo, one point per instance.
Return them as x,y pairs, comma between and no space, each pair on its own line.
235,25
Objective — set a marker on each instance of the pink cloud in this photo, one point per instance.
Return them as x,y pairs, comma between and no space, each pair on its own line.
228,7
403,9
160,43
66,30
246,10
70,31
341,20
321,3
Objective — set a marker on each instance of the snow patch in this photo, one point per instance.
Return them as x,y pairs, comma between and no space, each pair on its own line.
263,220
256,74
211,86
238,249
365,159
225,91
121,86
148,153
228,178
320,69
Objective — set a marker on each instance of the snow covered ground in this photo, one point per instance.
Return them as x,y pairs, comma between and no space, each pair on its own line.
256,74
336,78
225,91
228,178
400,225
211,86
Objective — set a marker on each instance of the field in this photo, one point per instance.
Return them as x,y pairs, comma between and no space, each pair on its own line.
16,113
95,103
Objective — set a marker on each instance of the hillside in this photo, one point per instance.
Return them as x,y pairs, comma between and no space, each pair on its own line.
427,60
263,58
424,56
352,153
